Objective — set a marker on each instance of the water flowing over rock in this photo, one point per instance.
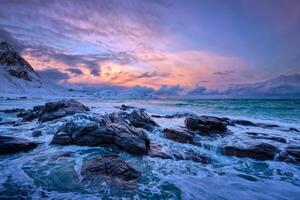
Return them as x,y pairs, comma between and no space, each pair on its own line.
111,167
95,131
205,124
11,145
179,135
261,151
54,110
141,119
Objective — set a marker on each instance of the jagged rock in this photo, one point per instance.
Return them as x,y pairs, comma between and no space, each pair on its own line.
37,133
261,151
100,132
10,145
53,110
110,167
141,119
179,135
205,124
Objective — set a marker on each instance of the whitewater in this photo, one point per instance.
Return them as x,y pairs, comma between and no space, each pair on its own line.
53,172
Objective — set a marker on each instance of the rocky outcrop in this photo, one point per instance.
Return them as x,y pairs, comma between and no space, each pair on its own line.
99,132
53,110
179,135
110,167
141,119
13,63
261,151
294,152
205,124
13,110
11,145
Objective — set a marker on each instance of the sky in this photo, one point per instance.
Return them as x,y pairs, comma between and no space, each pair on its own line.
163,44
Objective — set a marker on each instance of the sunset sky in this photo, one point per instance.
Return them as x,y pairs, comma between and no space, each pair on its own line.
153,43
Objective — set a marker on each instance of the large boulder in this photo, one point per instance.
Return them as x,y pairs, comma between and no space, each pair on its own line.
97,131
11,145
261,151
54,110
110,167
205,124
179,135
141,119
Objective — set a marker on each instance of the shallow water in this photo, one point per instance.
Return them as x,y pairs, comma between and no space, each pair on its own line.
53,172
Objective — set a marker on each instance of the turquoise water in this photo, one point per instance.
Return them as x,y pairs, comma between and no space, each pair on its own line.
44,173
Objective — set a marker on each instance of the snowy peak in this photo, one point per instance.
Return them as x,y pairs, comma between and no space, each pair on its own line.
14,64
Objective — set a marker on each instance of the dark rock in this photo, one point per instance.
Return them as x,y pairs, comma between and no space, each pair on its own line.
294,151
53,110
242,122
294,129
141,119
261,151
179,135
110,167
205,124
10,145
100,132
14,110
176,115
37,133
273,138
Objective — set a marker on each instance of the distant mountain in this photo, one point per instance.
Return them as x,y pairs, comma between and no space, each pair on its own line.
284,86
18,78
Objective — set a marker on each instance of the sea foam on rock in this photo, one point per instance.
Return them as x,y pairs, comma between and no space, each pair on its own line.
53,110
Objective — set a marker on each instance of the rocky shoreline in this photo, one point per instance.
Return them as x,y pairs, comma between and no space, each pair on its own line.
128,131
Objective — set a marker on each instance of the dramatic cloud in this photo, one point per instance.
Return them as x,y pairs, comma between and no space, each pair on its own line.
53,75
155,43
169,90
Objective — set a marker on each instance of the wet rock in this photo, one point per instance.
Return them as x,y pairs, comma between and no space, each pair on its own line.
261,151
10,145
205,124
294,129
294,151
179,135
243,122
125,107
110,167
99,132
273,138
37,133
13,110
141,119
53,110
176,115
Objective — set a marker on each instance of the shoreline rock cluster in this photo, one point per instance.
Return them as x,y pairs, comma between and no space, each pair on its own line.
128,131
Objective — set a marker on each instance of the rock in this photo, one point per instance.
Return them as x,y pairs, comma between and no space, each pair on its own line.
101,132
37,133
242,122
141,119
294,151
110,167
54,110
176,115
294,129
261,151
14,110
179,135
10,145
205,124
273,138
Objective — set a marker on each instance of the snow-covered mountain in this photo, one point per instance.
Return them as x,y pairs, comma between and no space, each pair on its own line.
18,78
284,86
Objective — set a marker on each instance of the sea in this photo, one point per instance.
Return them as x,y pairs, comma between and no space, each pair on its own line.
53,172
